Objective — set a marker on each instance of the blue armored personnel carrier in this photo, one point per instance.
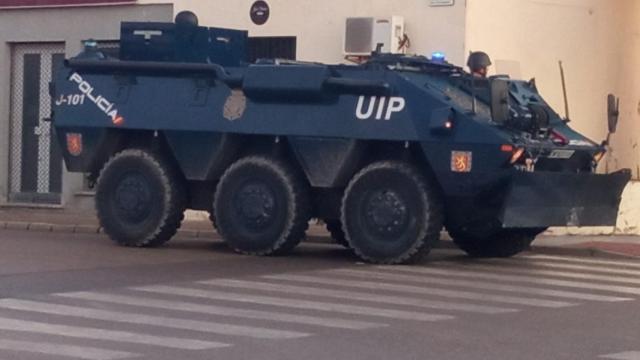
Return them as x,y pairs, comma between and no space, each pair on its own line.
387,153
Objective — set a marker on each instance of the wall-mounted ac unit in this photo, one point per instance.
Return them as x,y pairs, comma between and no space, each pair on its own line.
363,34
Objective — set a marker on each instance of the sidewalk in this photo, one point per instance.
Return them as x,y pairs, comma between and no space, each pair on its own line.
196,225
58,220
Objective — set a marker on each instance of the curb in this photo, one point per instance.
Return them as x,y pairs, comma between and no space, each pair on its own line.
84,229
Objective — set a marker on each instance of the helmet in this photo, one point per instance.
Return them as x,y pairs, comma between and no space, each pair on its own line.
187,18
478,60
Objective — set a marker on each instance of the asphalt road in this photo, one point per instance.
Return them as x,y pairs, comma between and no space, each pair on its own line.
80,297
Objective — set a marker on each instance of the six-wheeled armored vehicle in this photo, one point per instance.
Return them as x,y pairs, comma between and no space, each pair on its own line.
386,153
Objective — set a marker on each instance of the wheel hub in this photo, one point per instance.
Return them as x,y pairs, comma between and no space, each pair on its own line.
133,198
386,212
255,204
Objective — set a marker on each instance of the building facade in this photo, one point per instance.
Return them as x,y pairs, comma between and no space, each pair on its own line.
597,41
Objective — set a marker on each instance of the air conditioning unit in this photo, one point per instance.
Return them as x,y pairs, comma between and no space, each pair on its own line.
363,34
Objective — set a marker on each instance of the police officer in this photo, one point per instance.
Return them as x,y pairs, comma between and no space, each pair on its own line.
478,63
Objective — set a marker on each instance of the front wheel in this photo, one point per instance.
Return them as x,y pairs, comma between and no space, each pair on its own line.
140,199
391,213
504,243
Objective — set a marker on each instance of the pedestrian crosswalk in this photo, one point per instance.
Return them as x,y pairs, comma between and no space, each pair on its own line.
627,355
220,313
135,318
466,295
76,352
353,295
292,303
10,324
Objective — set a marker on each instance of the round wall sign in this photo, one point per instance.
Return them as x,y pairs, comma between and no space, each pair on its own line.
259,12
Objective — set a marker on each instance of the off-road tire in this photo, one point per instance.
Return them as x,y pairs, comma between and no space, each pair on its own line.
334,227
140,199
261,206
391,213
505,243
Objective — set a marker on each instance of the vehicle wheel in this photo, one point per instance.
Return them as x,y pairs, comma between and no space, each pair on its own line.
261,206
391,213
505,243
334,227
140,200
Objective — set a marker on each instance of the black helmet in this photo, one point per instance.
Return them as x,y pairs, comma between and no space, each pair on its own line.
478,60
187,18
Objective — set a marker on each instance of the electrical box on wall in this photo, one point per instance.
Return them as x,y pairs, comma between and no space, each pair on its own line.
363,34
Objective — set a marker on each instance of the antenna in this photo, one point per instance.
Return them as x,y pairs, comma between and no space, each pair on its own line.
564,93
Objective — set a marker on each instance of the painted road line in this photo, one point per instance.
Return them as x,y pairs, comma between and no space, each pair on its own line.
517,278
394,277
154,303
294,303
136,318
361,296
628,355
108,335
631,264
75,352
557,273
438,292
554,265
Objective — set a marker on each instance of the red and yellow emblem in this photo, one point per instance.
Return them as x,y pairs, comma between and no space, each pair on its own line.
461,161
74,144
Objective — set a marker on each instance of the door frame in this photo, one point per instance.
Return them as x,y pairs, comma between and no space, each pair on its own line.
46,187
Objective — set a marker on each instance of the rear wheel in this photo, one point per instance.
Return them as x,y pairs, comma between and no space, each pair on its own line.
504,243
261,206
140,199
391,214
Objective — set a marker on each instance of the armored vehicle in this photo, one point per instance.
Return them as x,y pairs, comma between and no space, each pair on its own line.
387,153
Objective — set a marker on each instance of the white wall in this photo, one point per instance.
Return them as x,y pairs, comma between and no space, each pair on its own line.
62,25
597,40
626,142
320,24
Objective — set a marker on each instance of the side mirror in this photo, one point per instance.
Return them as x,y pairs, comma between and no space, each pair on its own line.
499,100
613,112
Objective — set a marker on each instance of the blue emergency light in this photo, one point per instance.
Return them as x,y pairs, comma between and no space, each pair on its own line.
438,57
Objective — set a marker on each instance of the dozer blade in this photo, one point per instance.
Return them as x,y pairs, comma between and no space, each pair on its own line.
543,199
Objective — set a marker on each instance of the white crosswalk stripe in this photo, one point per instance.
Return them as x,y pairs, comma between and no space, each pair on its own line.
340,294
136,318
474,273
183,306
75,352
555,265
480,285
107,335
627,355
557,273
295,303
569,259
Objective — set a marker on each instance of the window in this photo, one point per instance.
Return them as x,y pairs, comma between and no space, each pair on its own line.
272,48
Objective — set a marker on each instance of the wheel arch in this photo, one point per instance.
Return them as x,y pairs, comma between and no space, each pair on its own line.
347,156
